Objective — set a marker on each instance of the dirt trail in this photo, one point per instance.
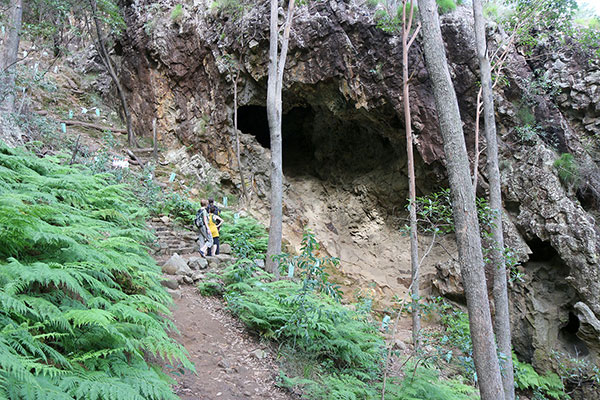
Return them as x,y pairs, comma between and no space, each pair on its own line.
231,364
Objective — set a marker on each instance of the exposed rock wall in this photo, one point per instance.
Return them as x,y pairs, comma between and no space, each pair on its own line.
343,103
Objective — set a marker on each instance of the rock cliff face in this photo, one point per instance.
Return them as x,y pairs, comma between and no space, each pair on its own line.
344,143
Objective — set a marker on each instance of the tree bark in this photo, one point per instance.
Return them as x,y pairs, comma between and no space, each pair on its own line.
463,205
407,40
237,136
113,75
274,114
500,292
9,56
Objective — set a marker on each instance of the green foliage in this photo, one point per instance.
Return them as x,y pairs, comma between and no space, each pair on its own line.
575,371
81,300
568,170
234,8
372,3
336,350
434,213
178,206
177,13
310,268
248,238
446,6
543,386
527,133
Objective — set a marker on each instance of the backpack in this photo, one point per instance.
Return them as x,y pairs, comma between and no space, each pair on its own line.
199,220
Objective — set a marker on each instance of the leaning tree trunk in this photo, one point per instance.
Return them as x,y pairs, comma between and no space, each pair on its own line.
407,41
274,113
9,56
237,137
111,71
501,318
463,205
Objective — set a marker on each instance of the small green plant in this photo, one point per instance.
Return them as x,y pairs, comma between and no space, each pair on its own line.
574,372
372,3
446,6
568,170
542,386
177,13
234,8
248,238
527,133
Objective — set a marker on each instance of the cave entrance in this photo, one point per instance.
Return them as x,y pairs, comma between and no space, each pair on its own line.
568,336
317,144
541,251
297,126
253,120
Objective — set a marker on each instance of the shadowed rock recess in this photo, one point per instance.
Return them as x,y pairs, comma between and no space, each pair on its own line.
343,128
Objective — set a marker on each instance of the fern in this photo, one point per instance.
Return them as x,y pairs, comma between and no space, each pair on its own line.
80,298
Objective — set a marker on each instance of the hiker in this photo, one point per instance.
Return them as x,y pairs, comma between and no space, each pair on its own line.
214,223
211,204
201,221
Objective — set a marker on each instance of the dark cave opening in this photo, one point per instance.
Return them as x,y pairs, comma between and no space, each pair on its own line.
569,338
315,143
253,120
541,251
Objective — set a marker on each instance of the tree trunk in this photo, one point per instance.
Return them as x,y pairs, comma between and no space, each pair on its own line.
501,318
463,204
9,56
274,113
414,240
237,137
113,75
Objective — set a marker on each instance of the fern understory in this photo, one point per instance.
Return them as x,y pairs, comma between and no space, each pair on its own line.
82,308
327,350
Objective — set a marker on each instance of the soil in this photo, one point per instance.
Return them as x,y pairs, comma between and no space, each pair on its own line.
231,364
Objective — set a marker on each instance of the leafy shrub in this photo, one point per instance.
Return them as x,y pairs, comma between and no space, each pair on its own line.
248,238
446,6
434,212
81,300
568,170
177,13
372,3
230,7
527,133
178,206
542,386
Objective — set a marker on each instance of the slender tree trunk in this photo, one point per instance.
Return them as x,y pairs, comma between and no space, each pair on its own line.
274,114
463,204
414,240
111,71
237,136
501,318
9,56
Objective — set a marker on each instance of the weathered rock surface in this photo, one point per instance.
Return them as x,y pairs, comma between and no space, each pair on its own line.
197,263
343,104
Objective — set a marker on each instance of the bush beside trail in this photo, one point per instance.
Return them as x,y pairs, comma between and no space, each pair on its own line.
81,302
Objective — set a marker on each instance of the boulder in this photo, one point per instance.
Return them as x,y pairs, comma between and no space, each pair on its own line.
225,248
213,261
225,259
175,293
170,283
260,263
197,263
197,276
174,264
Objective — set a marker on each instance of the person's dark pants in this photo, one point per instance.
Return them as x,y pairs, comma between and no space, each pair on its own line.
217,250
